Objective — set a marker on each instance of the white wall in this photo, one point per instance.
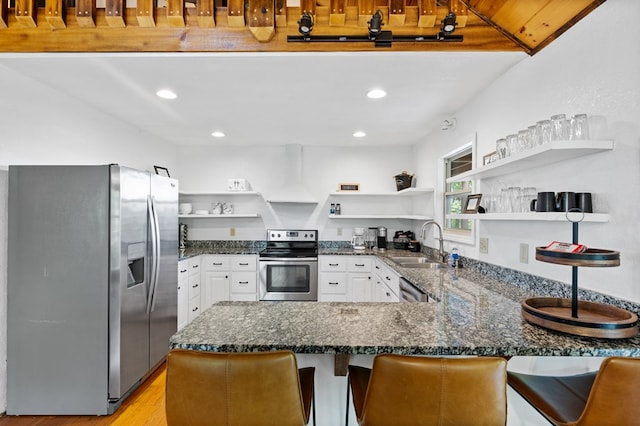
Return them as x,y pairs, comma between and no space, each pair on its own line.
206,169
589,70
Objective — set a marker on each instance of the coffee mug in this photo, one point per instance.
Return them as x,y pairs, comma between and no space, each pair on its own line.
584,202
565,201
546,202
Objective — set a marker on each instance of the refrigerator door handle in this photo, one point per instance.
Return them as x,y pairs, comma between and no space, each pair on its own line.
155,253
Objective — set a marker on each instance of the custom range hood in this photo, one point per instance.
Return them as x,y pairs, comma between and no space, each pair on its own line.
292,190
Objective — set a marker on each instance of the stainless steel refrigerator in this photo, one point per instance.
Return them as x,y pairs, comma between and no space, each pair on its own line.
92,292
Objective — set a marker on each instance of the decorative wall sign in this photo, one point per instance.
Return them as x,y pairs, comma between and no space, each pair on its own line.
349,187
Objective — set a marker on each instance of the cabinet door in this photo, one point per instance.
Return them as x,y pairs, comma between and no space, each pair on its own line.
360,288
183,301
216,287
384,293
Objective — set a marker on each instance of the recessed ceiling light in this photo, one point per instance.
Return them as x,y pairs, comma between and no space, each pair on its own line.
166,94
217,134
359,134
376,94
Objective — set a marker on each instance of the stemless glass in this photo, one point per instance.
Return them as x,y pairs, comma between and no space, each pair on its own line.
534,138
523,140
528,193
544,131
512,144
579,125
501,148
559,128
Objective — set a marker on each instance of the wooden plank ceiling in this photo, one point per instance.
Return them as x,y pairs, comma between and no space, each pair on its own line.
264,25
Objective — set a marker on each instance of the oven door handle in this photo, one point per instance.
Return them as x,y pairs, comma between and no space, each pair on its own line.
288,259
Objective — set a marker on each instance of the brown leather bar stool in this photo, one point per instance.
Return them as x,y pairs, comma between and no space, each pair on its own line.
417,391
258,388
604,397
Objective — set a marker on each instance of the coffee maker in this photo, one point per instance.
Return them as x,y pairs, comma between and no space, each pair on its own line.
382,238
358,239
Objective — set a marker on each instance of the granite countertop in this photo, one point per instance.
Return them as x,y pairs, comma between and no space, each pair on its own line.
471,315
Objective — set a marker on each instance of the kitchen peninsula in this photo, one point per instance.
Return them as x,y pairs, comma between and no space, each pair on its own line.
470,315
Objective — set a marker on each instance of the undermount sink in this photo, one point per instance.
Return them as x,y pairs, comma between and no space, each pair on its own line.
417,262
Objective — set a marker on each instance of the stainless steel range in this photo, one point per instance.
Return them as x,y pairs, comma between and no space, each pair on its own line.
288,267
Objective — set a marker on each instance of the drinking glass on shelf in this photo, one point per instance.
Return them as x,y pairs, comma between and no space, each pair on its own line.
523,140
528,193
514,194
512,144
544,131
503,201
579,127
501,148
534,138
559,128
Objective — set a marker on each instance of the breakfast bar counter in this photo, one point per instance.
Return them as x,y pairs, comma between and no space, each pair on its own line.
470,315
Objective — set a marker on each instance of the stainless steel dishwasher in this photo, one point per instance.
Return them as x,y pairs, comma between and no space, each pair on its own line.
411,293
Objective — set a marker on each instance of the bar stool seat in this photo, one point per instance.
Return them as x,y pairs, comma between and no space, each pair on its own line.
258,388
603,397
420,391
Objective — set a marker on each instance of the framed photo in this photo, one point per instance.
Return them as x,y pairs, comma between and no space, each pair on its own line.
489,158
162,171
349,187
472,204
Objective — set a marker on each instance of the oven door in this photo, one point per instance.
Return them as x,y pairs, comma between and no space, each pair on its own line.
288,278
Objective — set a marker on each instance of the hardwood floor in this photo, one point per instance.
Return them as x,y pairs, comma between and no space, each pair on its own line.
144,407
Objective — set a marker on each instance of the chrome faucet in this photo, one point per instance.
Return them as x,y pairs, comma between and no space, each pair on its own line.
443,255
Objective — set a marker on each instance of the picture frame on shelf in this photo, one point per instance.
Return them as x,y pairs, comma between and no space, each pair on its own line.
348,187
472,204
489,158
162,171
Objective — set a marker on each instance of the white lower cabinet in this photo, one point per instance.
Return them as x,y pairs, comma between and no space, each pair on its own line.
345,279
387,283
194,287
230,277
183,293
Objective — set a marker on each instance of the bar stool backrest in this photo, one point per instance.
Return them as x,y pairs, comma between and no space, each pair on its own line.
209,388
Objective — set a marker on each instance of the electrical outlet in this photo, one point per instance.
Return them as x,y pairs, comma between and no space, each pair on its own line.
339,232
484,245
232,232
524,253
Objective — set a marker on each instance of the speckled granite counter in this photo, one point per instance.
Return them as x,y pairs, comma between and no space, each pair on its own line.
473,315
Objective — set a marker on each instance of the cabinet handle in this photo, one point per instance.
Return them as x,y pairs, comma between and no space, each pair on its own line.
243,264
195,266
178,287
388,295
243,282
387,278
194,309
359,265
217,263
183,271
195,286
333,264
377,267
330,283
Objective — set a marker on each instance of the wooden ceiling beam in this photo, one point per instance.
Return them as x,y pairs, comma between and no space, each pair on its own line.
115,13
4,7
145,13
85,13
55,13
26,13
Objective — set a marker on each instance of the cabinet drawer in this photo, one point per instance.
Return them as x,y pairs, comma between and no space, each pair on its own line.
216,263
333,283
194,286
194,308
183,269
333,263
244,282
359,264
194,266
243,263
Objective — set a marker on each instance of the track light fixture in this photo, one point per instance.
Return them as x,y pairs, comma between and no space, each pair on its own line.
305,25
448,25
379,37
375,24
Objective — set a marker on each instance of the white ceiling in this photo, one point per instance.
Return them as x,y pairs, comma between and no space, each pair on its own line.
274,99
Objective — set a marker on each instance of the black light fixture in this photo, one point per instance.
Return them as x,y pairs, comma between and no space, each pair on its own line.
375,24
305,25
448,25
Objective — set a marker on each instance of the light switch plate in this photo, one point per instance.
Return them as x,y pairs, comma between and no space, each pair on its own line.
484,245
524,253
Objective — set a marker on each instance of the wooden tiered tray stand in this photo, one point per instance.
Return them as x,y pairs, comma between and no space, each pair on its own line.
580,318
